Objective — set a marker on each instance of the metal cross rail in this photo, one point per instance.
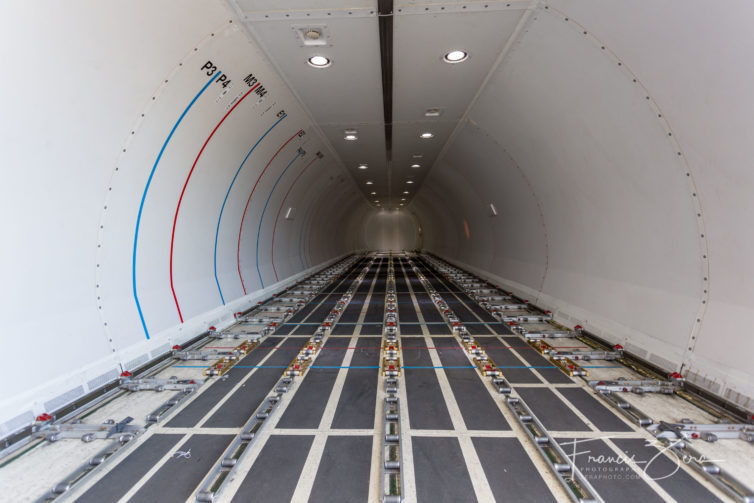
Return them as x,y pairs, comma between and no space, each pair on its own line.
158,384
707,432
116,449
484,364
638,387
214,483
674,440
89,432
570,477
392,456
674,437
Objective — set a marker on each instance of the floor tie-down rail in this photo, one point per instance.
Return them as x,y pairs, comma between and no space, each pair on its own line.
563,467
213,484
52,428
576,485
392,457
675,437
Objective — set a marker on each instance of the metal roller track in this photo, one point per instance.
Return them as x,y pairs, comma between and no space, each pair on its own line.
121,444
570,477
674,439
392,455
212,485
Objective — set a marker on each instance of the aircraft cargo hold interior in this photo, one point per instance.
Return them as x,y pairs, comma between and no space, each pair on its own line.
377,250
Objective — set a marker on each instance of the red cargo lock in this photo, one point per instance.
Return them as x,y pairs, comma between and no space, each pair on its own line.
176,347
126,373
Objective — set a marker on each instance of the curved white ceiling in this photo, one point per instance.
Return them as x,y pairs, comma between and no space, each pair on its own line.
593,156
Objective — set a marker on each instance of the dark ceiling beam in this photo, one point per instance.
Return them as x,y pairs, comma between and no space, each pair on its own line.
385,16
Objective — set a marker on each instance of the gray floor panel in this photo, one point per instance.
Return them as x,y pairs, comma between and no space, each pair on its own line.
241,405
440,471
600,416
439,329
367,351
551,410
343,329
307,329
180,475
371,329
510,471
237,410
121,479
478,408
410,329
356,407
275,473
510,366
343,473
608,473
218,388
663,469
308,404
553,375
426,405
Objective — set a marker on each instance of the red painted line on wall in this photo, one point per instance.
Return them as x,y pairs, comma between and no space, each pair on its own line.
240,229
183,191
274,228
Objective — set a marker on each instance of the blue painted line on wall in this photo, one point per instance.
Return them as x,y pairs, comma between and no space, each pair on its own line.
259,229
217,231
144,197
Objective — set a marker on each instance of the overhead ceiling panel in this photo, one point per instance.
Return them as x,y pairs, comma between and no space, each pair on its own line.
423,34
343,96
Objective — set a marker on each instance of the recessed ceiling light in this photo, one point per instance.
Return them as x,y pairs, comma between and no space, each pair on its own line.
405,192
377,202
426,136
351,134
403,199
455,56
416,165
362,166
370,182
417,156
319,62
409,181
373,193
432,112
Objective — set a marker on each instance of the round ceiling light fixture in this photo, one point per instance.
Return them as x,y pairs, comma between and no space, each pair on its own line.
416,165
373,193
409,181
405,192
319,62
426,135
362,166
351,135
456,56
370,182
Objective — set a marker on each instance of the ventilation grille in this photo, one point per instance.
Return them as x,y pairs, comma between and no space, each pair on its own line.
15,424
103,379
136,362
65,398
703,382
662,362
160,350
